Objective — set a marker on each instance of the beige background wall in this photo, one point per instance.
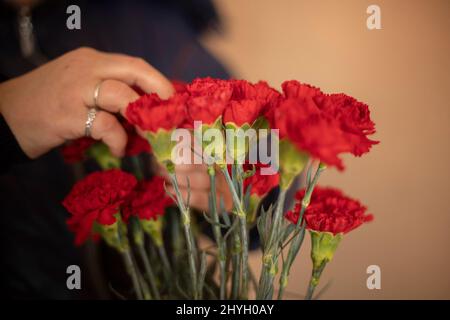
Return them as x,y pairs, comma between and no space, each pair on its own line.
402,72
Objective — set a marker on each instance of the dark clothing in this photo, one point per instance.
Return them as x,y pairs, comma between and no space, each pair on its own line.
11,152
36,246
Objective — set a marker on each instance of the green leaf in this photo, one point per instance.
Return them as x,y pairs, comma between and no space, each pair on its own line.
295,248
201,278
225,215
287,232
247,197
263,225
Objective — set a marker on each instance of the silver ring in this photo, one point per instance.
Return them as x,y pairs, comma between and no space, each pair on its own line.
96,93
92,113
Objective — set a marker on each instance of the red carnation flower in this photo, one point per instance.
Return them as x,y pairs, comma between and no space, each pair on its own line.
295,89
356,114
207,100
354,119
216,88
260,184
241,112
97,198
179,86
353,116
205,109
292,90
135,143
260,91
148,201
330,211
151,113
249,101
75,151
325,126
303,123
237,100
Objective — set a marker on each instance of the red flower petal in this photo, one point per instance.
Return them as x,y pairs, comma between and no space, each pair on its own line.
148,201
330,211
97,197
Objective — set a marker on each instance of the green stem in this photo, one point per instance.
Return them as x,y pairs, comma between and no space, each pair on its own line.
131,269
217,233
237,244
307,197
310,291
244,240
149,271
236,263
270,257
191,254
238,207
283,278
234,194
298,237
287,264
277,219
314,281
243,234
165,262
144,287
188,234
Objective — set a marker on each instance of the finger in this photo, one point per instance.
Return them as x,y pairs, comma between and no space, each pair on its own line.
199,199
197,174
114,96
107,128
223,191
198,178
186,168
136,72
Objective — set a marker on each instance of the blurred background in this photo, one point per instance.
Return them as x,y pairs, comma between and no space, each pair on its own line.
403,72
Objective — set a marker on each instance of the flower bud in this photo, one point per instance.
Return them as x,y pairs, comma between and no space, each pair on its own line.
292,162
162,144
115,235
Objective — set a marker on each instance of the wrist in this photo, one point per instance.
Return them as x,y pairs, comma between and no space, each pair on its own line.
11,149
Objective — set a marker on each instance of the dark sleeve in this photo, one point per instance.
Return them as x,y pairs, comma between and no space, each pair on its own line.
10,151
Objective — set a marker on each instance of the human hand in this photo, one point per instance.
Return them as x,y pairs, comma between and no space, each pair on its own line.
49,105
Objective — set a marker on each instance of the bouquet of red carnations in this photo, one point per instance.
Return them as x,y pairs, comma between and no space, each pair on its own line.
261,141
